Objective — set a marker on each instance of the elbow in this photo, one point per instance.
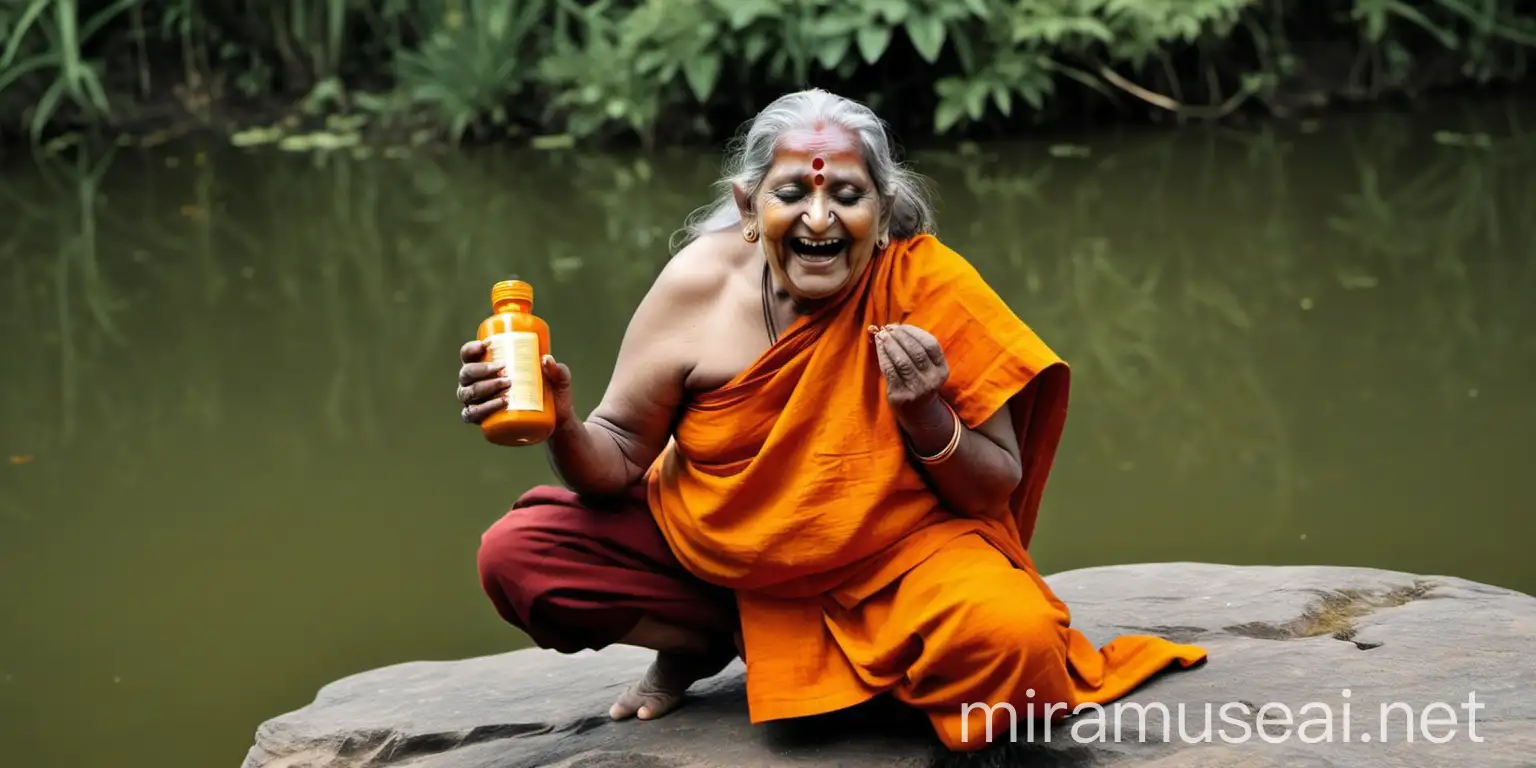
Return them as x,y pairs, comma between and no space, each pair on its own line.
1007,472
1004,480
599,496
606,482
1012,475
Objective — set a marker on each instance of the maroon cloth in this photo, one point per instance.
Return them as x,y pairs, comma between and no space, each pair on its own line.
576,574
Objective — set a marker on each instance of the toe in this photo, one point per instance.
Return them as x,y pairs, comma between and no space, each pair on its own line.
627,705
658,704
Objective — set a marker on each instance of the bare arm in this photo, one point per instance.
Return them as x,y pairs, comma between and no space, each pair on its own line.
618,441
985,467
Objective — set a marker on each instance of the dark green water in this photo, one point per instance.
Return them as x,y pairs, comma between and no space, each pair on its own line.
236,471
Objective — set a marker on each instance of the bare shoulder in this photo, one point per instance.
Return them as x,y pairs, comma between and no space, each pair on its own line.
700,270
692,285
677,307
659,348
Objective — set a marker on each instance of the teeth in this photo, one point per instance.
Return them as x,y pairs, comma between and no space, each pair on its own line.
817,243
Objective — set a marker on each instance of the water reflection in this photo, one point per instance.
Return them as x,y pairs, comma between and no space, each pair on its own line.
235,472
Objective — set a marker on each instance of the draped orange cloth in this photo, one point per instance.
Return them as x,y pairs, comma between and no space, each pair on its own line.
792,485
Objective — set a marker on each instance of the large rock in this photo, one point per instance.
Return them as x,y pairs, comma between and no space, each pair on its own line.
1458,658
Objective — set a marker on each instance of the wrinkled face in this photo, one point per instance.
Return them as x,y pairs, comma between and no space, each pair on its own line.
817,212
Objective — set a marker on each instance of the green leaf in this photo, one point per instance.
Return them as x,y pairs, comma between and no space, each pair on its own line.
701,72
9,75
872,42
779,63
756,44
965,52
19,30
46,105
1375,20
947,114
102,17
1003,99
744,12
650,61
976,101
92,86
838,23
1032,94
927,35
831,53
892,11
1447,38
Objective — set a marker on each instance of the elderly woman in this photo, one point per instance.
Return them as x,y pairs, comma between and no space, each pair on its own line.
822,447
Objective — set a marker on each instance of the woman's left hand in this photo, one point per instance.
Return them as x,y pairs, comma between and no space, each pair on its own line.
913,364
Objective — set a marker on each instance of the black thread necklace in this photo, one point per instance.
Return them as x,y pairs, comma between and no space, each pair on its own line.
773,329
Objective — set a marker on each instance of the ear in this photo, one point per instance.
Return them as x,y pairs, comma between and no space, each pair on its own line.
743,203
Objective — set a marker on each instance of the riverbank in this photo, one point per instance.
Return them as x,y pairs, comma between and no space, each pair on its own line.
305,127
650,73
1286,683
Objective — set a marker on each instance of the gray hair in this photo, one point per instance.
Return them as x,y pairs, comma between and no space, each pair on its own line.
751,154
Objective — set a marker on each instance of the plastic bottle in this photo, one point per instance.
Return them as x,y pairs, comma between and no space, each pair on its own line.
519,339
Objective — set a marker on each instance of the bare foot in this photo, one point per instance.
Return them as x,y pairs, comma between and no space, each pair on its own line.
665,684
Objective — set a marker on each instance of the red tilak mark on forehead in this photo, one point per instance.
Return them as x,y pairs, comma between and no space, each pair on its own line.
818,163
819,180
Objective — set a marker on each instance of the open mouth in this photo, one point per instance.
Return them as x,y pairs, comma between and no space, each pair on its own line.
817,249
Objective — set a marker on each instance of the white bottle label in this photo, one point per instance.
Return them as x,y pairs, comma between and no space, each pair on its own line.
518,351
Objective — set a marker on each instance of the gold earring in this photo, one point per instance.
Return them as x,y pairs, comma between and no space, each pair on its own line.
749,233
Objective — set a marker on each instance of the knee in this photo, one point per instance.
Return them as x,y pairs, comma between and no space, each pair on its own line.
513,546
509,548
520,564
1006,628
543,568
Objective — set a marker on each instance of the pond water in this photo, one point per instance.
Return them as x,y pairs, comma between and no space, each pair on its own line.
235,471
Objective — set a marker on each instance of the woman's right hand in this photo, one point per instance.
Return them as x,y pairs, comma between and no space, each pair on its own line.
482,387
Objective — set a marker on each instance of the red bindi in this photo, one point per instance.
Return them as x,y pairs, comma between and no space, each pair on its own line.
819,180
818,164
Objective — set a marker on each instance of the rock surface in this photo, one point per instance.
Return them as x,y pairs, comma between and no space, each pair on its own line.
1458,658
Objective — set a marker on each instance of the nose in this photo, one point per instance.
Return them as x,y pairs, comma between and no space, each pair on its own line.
820,217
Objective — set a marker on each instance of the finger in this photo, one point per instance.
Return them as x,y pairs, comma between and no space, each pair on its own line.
470,373
900,360
910,344
930,345
886,366
474,414
556,373
558,376
472,352
481,391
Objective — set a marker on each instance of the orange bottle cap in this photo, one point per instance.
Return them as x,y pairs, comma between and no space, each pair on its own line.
511,290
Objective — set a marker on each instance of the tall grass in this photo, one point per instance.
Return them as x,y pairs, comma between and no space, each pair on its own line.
659,70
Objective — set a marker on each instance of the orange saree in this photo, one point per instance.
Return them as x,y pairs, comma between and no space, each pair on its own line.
792,485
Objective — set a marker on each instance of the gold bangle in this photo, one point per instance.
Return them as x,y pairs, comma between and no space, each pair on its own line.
954,439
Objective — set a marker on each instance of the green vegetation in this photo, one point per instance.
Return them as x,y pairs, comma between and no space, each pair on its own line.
675,70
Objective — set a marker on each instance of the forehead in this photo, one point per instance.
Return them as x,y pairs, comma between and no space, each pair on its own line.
839,147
